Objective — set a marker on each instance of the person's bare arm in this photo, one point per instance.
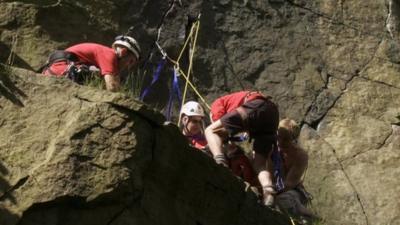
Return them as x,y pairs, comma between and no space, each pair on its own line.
296,171
112,82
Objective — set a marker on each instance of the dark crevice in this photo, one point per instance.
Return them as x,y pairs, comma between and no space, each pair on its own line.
230,66
388,22
153,124
331,20
116,216
82,98
82,158
82,134
129,112
159,28
68,204
315,124
356,155
119,127
256,74
393,18
124,208
8,89
383,143
74,201
342,7
379,146
373,56
98,166
334,21
88,159
349,181
379,82
7,193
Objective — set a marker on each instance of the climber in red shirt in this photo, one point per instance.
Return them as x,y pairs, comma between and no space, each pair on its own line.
192,124
239,164
75,61
251,112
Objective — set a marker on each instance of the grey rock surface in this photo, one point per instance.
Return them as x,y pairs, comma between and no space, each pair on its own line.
334,66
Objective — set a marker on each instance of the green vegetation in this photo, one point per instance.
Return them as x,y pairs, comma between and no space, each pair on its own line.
134,83
94,80
131,86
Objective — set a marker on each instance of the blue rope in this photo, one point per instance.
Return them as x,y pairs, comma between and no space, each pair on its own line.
175,91
239,138
277,165
156,76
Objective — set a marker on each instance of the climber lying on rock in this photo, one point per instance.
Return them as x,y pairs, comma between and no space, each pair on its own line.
75,62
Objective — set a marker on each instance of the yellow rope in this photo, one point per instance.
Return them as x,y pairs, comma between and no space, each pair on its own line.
194,89
177,67
291,220
186,42
190,65
197,25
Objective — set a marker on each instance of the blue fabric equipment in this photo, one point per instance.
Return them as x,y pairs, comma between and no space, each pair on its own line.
174,91
156,76
277,166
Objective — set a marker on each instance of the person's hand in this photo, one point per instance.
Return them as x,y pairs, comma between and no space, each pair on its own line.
268,195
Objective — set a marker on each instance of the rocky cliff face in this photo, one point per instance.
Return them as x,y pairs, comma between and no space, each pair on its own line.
76,155
333,65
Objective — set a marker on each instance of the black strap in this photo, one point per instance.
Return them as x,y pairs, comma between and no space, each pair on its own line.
61,55
58,56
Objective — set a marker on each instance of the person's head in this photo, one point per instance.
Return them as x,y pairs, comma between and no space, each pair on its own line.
127,50
192,115
288,132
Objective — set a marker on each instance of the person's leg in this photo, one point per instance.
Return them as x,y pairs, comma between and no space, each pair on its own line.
286,202
215,133
263,119
289,202
264,177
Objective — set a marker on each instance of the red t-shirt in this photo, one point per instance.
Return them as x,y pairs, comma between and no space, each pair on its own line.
198,142
90,54
241,167
228,103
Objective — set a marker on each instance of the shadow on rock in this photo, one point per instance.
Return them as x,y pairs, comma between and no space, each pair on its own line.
5,53
6,217
8,88
69,17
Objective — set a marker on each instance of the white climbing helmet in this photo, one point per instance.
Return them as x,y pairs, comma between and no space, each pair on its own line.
192,108
129,42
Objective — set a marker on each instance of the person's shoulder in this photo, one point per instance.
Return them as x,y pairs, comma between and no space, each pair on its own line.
89,46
